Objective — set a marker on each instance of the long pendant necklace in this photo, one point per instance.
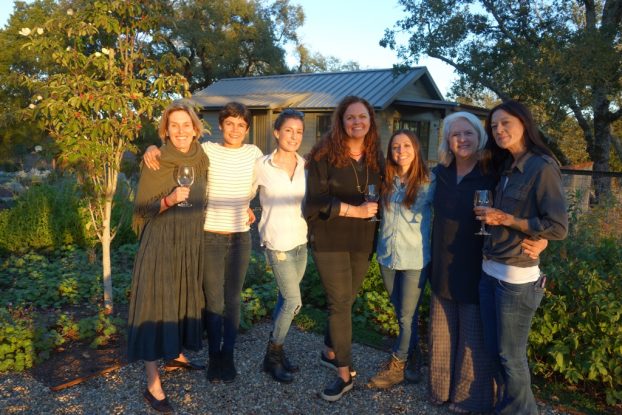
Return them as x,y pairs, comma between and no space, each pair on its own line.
358,185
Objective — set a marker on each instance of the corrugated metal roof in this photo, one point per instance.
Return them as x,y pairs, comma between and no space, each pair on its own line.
312,90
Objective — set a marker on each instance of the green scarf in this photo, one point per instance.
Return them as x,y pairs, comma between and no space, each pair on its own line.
153,185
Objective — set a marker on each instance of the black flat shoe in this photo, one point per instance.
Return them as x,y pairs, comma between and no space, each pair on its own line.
178,364
163,406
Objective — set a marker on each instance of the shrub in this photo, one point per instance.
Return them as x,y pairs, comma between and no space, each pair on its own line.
47,215
577,334
16,340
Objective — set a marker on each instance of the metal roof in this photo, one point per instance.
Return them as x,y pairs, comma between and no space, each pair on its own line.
314,90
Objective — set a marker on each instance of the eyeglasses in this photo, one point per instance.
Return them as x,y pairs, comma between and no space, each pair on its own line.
291,111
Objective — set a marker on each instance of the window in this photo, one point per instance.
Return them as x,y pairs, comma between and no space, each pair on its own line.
421,130
322,126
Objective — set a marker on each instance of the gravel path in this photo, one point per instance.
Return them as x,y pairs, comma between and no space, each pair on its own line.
253,392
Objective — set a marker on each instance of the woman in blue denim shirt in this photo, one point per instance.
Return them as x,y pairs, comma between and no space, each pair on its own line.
403,250
529,202
280,178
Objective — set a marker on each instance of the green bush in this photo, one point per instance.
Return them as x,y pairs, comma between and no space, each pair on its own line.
47,216
577,333
17,339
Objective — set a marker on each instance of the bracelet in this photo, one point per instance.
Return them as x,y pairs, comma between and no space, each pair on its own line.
165,203
346,212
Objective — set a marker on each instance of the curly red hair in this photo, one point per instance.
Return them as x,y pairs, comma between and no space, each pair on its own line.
333,144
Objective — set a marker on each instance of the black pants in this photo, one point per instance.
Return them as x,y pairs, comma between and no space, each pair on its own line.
342,274
226,262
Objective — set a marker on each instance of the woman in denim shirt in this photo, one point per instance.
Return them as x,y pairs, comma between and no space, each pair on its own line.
529,202
403,250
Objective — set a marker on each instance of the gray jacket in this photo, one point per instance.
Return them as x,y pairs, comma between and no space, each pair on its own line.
530,190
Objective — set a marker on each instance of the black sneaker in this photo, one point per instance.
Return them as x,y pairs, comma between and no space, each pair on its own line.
332,364
336,390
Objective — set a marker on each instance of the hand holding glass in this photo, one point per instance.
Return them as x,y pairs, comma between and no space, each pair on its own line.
185,178
482,198
371,195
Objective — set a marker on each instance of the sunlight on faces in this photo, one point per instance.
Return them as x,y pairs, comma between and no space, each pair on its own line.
356,120
463,139
402,152
508,131
289,137
180,130
234,130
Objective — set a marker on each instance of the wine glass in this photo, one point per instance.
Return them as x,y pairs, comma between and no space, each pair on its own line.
185,178
371,195
482,198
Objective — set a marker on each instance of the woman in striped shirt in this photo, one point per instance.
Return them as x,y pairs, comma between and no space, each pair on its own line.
227,237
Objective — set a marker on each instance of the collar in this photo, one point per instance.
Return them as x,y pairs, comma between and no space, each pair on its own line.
520,163
270,160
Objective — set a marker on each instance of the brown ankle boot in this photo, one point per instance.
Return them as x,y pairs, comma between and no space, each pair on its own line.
391,375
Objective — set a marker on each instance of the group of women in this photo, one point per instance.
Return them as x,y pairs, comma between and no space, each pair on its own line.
485,290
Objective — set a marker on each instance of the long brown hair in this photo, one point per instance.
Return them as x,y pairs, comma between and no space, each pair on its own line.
533,138
333,144
416,175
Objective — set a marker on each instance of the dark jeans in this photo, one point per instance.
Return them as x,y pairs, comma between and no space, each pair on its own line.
226,262
342,274
507,310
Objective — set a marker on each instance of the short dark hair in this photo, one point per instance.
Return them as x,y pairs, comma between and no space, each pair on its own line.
236,110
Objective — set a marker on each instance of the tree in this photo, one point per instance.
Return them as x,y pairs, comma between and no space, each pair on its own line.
565,56
102,88
230,38
16,137
316,62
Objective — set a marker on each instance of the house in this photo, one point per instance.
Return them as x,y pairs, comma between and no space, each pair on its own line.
408,100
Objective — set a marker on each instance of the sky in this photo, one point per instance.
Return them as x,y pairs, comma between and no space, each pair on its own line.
346,29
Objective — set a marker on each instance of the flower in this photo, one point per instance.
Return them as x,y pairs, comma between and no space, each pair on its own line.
68,48
25,31
105,51
69,12
97,54
39,97
39,30
31,106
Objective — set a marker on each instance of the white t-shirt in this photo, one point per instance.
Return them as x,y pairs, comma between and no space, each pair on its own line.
229,186
282,226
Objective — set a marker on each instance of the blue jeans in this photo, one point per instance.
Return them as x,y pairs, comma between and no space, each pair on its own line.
288,268
225,263
507,310
404,288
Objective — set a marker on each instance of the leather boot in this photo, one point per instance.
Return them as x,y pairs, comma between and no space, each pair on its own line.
272,363
227,368
213,367
289,366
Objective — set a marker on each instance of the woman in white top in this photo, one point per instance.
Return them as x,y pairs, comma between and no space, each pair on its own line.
280,178
226,237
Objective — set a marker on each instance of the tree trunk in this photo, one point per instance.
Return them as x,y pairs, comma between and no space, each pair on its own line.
107,268
601,148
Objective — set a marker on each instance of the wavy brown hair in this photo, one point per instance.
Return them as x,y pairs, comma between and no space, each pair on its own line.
416,175
333,144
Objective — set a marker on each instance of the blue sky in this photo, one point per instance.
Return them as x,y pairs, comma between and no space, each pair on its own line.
346,29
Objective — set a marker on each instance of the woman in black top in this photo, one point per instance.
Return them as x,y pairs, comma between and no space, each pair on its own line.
340,168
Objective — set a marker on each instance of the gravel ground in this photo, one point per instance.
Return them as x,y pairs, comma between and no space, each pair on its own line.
253,392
